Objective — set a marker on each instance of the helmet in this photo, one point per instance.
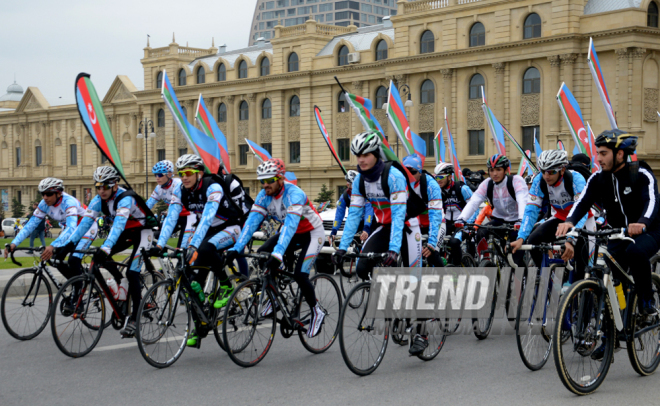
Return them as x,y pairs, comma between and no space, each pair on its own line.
581,159
163,167
552,159
350,176
106,174
529,179
189,161
364,143
498,161
51,184
413,161
617,140
271,168
444,168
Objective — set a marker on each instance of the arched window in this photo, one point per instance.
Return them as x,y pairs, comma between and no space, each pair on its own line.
427,92
343,56
244,111
222,113
184,111
182,77
532,26
294,107
159,80
381,97
477,35
476,82
161,118
222,73
266,111
342,107
427,43
242,70
201,75
293,62
532,81
652,16
265,66
381,50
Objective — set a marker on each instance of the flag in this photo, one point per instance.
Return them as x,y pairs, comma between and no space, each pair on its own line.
453,158
560,145
496,129
573,115
537,147
524,165
396,113
93,117
291,178
597,74
595,167
205,147
326,137
439,147
420,146
261,154
517,146
210,127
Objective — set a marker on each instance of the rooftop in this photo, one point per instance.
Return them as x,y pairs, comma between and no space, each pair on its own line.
361,40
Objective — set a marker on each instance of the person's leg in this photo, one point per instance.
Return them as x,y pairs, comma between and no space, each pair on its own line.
32,237
310,249
638,256
456,254
378,242
544,233
42,235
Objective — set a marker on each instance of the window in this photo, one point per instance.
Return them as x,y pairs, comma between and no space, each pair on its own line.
266,109
381,97
427,43
381,50
532,81
652,16
476,83
244,111
104,159
201,75
294,107
37,155
268,147
343,56
243,154
182,77
344,145
161,118
222,113
242,70
19,196
183,151
476,140
341,107
72,192
341,190
222,73
477,35
265,67
293,62
184,111
159,80
428,138
73,153
428,92
294,152
528,137
161,154
532,26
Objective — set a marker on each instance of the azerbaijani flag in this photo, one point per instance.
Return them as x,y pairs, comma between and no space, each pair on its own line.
560,145
573,115
453,158
210,127
263,155
524,165
413,143
326,137
595,167
597,74
537,146
362,107
439,147
93,117
496,129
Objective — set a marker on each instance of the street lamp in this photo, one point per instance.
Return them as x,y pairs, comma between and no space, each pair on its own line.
409,103
146,124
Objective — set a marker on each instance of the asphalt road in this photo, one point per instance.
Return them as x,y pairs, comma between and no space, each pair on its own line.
466,372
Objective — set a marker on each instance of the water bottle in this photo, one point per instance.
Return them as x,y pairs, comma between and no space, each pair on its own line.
112,284
619,293
196,287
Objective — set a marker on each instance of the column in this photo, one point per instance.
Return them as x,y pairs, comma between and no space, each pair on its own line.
447,75
498,108
567,61
622,96
637,105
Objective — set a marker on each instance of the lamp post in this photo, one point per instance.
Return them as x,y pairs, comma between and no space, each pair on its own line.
146,124
408,103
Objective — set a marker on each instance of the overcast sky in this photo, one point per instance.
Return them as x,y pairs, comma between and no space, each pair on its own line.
46,43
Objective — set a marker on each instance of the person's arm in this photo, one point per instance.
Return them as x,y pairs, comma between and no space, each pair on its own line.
153,199
578,188
473,204
214,195
435,211
71,211
532,209
649,192
355,213
585,201
119,223
295,203
368,217
257,215
37,218
173,212
91,214
522,195
398,204
467,195
339,215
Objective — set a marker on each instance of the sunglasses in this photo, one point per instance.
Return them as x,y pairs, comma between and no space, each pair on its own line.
49,193
551,172
104,187
159,175
269,181
441,177
412,171
188,172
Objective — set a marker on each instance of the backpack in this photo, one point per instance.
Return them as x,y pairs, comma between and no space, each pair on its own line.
414,206
509,186
150,219
581,169
225,182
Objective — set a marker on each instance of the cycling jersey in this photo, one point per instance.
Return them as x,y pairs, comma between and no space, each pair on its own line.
505,207
164,194
454,199
432,217
343,203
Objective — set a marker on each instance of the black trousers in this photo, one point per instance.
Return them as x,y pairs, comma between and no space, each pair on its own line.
545,233
379,242
513,236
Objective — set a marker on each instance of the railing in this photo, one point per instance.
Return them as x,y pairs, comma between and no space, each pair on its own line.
332,30
313,28
425,5
293,31
467,1
156,52
187,51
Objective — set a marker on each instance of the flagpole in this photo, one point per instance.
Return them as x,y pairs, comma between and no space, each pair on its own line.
145,123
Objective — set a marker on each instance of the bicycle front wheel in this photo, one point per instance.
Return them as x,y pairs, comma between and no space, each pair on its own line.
348,276
362,341
26,304
643,347
329,298
482,327
435,330
534,342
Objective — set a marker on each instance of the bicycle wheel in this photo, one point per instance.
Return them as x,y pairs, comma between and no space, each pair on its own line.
163,325
329,298
247,335
578,309
534,342
398,336
482,327
362,341
26,304
435,330
451,324
349,277
655,264
77,333
643,347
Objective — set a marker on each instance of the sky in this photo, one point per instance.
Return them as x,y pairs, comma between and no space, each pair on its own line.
46,43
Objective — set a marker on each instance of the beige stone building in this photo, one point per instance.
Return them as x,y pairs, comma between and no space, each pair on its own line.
444,50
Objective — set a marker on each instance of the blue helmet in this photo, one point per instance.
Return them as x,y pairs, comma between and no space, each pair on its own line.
163,167
413,161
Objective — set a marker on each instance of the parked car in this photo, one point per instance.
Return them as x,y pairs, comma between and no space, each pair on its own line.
323,262
8,226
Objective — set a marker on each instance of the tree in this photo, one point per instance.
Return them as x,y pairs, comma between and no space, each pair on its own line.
17,208
2,210
325,195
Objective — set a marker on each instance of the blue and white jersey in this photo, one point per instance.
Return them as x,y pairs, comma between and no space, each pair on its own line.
342,205
432,217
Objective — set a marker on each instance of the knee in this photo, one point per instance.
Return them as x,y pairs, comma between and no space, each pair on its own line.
133,279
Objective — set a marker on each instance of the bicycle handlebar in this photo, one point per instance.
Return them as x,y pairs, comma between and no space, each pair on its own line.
370,255
613,234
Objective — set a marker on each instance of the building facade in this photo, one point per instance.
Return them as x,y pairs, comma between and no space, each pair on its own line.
443,50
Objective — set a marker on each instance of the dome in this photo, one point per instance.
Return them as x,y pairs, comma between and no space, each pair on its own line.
15,88
14,93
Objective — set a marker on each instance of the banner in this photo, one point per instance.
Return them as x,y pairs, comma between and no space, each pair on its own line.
573,116
210,128
263,155
597,74
453,158
326,137
396,113
496,129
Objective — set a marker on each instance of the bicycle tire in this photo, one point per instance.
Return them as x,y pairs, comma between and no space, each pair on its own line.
545,343
21,287
576,296
83,315
435,338
329,298
398,336
348,279
455,322
655,264
479,332
650,344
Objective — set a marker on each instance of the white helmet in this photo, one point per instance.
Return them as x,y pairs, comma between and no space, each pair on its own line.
271,168
444,168
366,142
106,174
552,159
51,184
350,176
189,161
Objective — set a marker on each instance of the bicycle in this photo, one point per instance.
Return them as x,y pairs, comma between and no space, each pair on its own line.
347,276
593,309
248,333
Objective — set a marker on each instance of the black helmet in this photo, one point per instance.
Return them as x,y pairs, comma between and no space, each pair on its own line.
617,140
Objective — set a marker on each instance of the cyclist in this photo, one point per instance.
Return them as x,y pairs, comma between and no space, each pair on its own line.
128,229
302,229
507,195
164,173
628,191
343,203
